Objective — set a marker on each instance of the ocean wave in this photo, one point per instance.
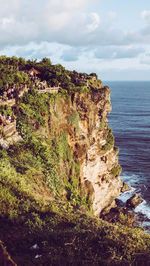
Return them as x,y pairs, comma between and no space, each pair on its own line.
144,208
126,195
129,121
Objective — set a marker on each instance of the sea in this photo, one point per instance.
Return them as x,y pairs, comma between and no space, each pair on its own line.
130,123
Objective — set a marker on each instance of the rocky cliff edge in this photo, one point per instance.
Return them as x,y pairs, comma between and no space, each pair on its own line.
84,117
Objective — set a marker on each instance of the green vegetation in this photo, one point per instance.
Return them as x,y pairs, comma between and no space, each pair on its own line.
42,198
51,154
34,106
116,149
6,110
59,229
31,215
14,70
103,124
73,119
9,72
16,192
109,140
116,170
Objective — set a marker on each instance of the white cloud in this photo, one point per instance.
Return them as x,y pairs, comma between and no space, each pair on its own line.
115,52
145,15
111,15
69,32
62,21
71,54
94,22
69,6
145,59
44,20
6,20
56,13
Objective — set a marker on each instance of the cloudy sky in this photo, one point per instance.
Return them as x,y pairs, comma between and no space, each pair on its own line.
109,37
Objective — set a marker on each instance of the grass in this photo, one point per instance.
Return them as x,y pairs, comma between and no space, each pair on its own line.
19,189
66,236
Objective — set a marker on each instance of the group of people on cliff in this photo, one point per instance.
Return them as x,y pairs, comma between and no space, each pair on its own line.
36,81
11,92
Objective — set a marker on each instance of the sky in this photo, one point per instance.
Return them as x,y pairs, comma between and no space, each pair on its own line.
109,37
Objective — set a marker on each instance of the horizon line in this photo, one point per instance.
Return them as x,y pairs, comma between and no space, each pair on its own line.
126,80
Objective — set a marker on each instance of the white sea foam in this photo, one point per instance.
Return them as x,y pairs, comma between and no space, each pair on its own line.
143,208
130,179
127,194
132,138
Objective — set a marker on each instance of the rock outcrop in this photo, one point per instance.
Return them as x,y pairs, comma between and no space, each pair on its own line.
84,117
125,187
134,201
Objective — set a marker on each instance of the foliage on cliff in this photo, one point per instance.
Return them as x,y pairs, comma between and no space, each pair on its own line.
45,214
14,70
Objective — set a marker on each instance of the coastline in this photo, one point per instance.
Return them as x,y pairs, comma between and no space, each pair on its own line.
129,121
142,211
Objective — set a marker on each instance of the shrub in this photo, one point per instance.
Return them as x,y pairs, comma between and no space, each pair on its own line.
102,124
16,194
116,170
6,110
35,106
116,149
3,154
24,129
52,178
109,140
64,148
73,119
75,168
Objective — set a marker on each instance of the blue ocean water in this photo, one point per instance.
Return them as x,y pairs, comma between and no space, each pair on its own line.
130,122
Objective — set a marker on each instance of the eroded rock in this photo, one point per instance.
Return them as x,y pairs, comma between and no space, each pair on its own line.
134,201
125,188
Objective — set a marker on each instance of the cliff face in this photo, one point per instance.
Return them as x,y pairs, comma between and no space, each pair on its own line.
84,117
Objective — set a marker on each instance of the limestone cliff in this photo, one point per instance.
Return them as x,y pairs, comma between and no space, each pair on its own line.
84,117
